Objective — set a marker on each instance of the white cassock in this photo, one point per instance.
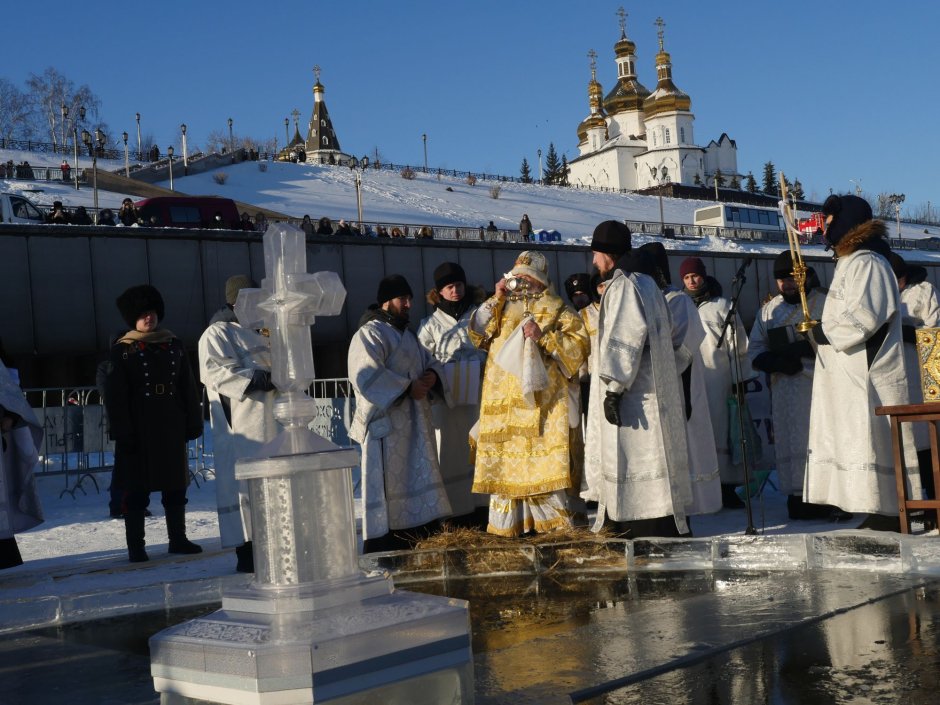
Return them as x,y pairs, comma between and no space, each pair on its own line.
402,486
20,509
791,396
446,339
850,461
719,378
688,334
241,421
643,468
920,308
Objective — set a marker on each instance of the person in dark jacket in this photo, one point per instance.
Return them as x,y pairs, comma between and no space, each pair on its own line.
324,226
525,228
106,217
81,217
128,214
153,408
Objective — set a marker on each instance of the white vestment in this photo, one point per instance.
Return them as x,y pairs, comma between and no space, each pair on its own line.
688,334
850,461
719,378
447,340
241,421
19,501
402,486
642,468
791,396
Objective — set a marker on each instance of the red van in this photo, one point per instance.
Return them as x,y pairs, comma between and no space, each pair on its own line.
189,212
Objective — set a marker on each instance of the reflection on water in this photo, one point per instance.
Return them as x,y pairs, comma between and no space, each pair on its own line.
702,638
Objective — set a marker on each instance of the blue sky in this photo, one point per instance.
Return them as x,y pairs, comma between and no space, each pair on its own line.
828,91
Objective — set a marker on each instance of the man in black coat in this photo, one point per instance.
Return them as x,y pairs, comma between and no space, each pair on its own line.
153,407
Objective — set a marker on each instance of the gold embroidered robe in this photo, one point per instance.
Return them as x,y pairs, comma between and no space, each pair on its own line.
524,450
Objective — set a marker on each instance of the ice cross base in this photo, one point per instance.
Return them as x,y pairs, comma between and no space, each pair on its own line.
310,627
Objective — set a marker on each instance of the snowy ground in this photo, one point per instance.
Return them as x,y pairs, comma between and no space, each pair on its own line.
299,189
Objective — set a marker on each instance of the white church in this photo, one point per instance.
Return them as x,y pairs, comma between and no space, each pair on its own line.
636,139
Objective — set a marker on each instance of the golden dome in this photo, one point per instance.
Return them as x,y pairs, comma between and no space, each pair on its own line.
628,94
589,123
667,97
624,47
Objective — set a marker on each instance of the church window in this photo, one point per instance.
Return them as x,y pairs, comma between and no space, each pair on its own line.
668,138
682,135
630,67
620,69
322,123
654,139
326,141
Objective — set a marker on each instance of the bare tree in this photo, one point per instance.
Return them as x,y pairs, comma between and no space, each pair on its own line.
14,112
48,92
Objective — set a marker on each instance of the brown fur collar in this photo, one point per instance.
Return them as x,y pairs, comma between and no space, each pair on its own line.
859,235
475,293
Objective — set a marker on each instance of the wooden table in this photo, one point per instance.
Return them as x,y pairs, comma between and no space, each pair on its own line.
909,413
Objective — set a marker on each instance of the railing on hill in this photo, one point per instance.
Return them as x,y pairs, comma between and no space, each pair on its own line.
21,172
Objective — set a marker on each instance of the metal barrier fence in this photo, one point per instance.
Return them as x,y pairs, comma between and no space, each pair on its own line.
76,444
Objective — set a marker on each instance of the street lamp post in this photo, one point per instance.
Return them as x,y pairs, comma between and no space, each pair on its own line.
659,175
140,150
65,114
169,154
286,133
185,153
896,199
231,140
424,137
127,165
540,165
93,148
358,165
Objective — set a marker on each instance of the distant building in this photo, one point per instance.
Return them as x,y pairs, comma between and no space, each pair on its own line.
322,144
636,139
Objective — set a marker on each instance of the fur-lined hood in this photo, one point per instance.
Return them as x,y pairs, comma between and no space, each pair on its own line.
476,295
872,235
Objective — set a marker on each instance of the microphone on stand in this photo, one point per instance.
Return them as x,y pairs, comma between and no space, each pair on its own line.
740,272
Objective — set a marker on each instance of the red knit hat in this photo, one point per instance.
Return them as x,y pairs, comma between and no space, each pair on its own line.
692,265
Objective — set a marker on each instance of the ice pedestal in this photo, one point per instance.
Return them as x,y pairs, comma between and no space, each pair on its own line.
310,627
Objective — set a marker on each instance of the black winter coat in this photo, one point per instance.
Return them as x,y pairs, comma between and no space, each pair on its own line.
152,403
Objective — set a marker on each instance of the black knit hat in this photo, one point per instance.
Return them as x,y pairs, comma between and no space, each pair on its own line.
847,213
138,300
391,287
783,265
448,273
898,265
578,282
657,251
612,238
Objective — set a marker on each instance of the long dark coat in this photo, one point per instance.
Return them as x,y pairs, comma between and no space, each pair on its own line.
153,406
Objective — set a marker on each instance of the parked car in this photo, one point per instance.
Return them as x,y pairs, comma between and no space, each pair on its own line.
188,212
17,209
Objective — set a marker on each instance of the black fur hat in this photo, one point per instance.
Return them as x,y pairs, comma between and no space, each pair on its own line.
391,287
137,300
847,213
578,282
783,265
611,237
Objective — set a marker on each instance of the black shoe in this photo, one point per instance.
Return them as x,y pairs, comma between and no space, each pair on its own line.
729,498
880,522
246,558
797,509
137,555
183,546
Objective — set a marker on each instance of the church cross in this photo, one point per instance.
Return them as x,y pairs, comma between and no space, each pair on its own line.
316,72
296,115
660,31
287,304
592,55
622,14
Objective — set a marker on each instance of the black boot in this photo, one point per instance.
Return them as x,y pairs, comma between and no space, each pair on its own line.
134,532
246,558
176,530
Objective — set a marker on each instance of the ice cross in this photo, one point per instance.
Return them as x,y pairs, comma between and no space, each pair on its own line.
287,304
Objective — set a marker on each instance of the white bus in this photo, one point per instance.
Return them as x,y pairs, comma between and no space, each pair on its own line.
742,217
